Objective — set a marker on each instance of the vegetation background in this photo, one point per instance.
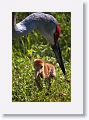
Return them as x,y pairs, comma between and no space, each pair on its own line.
27,48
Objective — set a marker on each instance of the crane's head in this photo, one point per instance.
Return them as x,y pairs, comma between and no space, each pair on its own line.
56,48
57,32
39,67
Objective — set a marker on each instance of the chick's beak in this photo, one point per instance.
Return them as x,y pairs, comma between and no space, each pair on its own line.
57,51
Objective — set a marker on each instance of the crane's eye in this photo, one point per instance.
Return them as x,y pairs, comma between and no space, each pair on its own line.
41,66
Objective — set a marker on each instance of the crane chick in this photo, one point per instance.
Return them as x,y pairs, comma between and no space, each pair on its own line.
43,70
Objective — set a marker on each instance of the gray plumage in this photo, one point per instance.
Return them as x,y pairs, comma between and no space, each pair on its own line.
45,23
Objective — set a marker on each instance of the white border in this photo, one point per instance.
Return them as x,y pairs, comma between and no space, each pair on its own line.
76,104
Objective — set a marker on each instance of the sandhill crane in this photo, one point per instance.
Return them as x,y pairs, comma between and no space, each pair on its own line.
43,70
48,27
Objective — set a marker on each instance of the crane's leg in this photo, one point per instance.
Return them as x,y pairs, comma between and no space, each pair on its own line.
38,83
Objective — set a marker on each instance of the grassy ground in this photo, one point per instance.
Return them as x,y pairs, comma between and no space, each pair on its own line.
24,88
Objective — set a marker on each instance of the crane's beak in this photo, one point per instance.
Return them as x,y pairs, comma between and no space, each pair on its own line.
57,51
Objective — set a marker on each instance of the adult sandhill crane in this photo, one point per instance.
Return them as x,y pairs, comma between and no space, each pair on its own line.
48,27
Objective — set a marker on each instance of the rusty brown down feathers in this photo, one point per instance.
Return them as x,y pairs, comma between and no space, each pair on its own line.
44,69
